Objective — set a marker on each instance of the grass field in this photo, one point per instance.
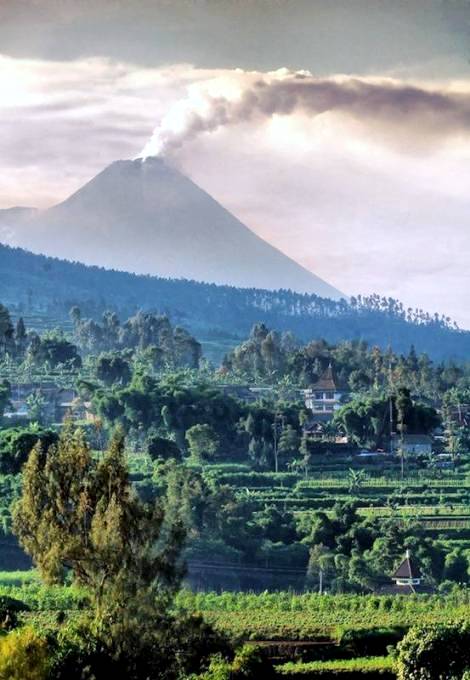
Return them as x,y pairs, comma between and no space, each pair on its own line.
341,667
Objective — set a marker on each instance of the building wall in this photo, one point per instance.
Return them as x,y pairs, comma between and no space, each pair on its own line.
321,401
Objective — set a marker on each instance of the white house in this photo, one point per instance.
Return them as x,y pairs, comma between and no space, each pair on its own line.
325,396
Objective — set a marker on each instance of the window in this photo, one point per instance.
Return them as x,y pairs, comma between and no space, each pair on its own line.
329,395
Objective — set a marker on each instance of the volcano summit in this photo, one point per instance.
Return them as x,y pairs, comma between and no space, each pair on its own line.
148,218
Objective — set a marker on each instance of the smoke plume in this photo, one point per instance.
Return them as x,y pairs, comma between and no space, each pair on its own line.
427,114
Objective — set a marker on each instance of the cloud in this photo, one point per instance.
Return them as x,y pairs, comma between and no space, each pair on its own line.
429,115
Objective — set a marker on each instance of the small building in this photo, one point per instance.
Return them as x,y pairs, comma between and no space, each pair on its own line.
412,444
58,402
325,396
407,573
315,431
407,579
241,392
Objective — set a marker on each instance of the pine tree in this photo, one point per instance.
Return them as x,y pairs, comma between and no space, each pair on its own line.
79,515
6,330
20,338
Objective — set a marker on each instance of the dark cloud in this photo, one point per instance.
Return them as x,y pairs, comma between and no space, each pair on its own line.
346,36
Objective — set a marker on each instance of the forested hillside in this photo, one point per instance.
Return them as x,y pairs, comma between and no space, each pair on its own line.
34,283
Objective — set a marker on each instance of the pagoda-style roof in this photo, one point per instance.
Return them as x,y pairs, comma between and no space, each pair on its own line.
328,381
408,569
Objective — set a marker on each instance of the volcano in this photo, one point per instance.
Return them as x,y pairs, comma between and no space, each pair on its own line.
148,218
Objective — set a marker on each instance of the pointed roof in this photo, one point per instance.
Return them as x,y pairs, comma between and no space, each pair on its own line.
327,381
408,569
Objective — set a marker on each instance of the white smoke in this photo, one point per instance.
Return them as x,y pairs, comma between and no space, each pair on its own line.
429,114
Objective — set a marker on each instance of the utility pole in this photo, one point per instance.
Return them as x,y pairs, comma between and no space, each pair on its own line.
320,585
390,401
276,464
402,458
275,438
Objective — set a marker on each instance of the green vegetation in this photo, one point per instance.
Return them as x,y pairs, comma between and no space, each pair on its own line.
310,616
340,667
435,652
174,512
16,444
79,519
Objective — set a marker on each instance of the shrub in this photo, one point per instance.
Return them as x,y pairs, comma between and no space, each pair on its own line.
248,664
371,642
23,656
9,610
128,649
439,651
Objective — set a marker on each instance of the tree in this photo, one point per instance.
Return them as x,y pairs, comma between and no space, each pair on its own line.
359,380
53,348
404,406
6,330
321,566
5,396
75,315
35,403
21,338
289,442
188,350
78,514
161,448
16,444
364,419
202,441
112,368
456,567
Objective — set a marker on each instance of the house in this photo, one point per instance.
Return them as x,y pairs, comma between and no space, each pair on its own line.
252,393
315,431
412,444
407,579
240,392
407,574
57,402
325,396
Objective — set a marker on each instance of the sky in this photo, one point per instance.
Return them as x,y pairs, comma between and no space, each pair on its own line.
337,130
